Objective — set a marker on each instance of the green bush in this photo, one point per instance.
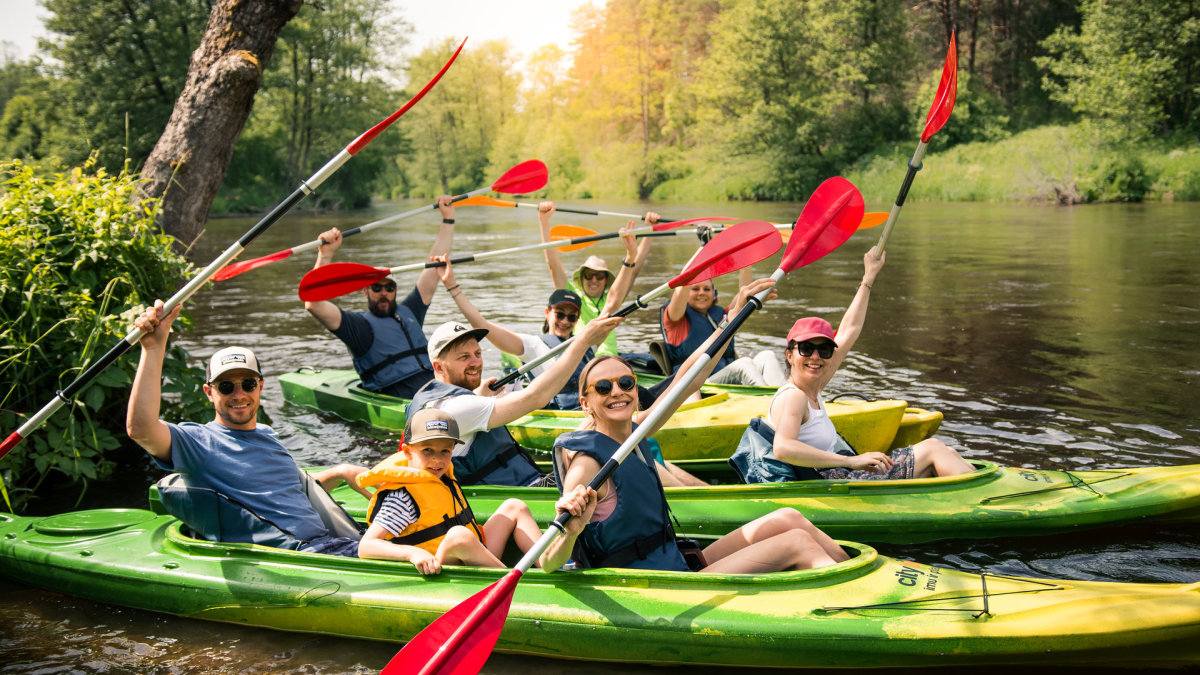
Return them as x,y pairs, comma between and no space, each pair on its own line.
80,258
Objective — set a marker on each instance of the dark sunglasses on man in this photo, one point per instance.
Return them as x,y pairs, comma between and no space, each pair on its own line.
605,387
389,286
226,387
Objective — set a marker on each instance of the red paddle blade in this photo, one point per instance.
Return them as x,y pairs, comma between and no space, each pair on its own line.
230,271
872,219
370,134
461,640
337,279
743,244
943,102
660,227
484,200
529,176
831,215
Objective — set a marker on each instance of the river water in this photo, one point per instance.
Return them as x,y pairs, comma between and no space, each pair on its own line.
1049,337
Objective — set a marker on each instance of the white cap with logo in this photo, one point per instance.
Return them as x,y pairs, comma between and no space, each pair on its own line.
231,358
448,333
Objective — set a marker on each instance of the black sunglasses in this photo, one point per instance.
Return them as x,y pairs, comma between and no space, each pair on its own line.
389,286
605,387
572,318
249,384
823,349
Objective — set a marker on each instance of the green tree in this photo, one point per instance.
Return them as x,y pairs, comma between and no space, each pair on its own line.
123,64
325,85
79,258
453,132
804,85
1132,69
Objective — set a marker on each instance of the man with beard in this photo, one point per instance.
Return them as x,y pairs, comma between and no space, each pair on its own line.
387,340
237,466
560,315
489,455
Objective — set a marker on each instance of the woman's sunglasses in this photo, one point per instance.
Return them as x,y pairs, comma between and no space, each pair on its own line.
570,318
593,276
605,387
249,384
389,286
823,349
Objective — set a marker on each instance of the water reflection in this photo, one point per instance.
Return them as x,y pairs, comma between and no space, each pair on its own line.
1049,337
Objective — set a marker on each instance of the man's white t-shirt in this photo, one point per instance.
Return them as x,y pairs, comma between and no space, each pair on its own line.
472,413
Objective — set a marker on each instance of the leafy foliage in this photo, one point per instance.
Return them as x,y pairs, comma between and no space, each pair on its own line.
79,259
324,85
1132,69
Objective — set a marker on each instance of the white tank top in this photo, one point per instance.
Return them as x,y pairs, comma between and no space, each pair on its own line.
818,431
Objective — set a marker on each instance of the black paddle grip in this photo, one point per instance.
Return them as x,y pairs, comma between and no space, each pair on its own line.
908,180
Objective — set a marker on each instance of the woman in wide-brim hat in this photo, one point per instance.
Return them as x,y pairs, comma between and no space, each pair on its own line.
600,290
804,434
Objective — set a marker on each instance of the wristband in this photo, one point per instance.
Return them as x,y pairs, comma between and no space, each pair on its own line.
452,288
626,263
447,221
867,285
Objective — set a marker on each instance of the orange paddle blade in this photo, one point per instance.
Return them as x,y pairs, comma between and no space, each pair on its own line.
484,200
873,219
570,232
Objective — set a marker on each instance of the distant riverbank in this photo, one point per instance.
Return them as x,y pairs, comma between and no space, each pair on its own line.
1051,164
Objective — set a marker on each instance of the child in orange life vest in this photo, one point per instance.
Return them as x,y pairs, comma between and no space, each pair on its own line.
419,514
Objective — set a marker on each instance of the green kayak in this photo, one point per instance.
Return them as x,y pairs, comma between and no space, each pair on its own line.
870,611
990,502
705,432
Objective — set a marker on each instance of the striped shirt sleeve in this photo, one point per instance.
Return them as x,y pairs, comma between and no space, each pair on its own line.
397,511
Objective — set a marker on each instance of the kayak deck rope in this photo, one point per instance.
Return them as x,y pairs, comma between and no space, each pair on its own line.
1075,483
984,594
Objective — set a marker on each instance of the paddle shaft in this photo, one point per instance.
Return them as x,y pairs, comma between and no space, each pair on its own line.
306,187
914,165
641,302
386,221
662,408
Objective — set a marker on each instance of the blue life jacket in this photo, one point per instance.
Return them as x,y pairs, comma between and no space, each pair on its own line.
398,351
700,326
494,458
638,533
568,397
755,462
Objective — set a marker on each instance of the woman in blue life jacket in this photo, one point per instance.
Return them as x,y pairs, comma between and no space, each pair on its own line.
691,316
558,325
804,434
634,529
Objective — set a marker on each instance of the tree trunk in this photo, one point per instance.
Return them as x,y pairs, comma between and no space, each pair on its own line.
187,165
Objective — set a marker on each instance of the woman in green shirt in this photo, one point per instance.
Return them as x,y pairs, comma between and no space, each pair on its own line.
600,290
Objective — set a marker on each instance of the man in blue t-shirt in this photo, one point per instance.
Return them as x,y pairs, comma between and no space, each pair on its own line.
232,455
387,341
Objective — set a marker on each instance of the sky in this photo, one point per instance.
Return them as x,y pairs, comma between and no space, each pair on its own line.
527,24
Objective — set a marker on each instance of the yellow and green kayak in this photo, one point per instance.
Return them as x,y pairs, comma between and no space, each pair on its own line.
870,611
704,432
992,501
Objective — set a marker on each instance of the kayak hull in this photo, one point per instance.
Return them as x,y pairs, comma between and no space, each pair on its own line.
870,611
991,502
705,431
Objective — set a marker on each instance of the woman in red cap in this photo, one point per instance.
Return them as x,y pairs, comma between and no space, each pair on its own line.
804,436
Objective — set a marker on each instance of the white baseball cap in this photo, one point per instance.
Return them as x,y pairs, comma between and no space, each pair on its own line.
231,358
450,332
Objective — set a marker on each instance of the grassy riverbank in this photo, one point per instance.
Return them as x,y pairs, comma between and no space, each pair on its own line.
1055,164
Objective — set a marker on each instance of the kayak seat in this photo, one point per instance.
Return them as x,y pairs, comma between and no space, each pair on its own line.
213,516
